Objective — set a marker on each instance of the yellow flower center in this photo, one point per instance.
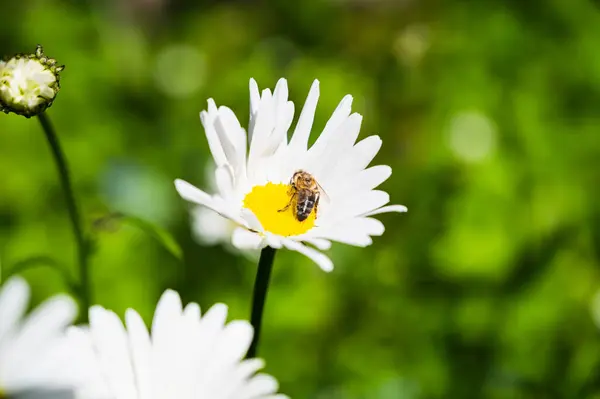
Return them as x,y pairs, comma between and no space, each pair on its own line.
267,201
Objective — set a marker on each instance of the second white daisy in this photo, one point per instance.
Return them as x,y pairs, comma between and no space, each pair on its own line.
186,357
254,172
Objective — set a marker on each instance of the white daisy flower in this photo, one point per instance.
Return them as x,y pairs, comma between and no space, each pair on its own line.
36,358
28,83
185,357
254,171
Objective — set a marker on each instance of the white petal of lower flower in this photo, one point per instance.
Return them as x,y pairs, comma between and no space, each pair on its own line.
35,354
278,212
41,326
112,345
185,357
141,352
14,297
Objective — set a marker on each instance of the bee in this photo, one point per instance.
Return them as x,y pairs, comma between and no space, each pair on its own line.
305,193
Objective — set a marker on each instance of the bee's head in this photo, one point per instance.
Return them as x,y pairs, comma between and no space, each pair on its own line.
302,179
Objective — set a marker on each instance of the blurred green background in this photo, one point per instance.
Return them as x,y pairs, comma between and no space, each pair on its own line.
490,116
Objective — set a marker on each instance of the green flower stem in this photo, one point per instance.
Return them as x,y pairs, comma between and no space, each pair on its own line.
261,286
82,244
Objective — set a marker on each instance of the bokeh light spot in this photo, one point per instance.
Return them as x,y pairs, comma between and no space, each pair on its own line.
180,70
471,136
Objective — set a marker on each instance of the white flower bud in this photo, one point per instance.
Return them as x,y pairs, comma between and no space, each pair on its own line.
28,83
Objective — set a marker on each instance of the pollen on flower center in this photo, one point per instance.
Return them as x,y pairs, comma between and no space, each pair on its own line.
266,201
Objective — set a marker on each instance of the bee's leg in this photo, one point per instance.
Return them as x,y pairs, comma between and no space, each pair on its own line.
287,206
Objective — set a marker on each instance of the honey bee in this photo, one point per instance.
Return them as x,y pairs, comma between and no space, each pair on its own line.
305,193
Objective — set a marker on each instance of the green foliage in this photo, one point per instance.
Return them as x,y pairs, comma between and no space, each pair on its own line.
488,113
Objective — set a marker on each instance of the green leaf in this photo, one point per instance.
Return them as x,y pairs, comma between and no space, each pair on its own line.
42,261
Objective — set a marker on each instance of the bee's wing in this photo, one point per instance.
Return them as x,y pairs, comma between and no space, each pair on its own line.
323,193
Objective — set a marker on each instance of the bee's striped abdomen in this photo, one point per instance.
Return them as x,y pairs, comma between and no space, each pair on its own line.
305,204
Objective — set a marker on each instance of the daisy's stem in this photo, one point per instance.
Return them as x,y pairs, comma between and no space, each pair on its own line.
82,244
261,286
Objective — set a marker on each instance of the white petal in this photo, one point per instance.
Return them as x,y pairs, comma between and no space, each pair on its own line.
254,96
232,345
251,220
319,258
364,152
214,317
299,140
193,194
212,108
239,377
212,137
113,351
355,231
385,209
370,226
259,386
284,115
224,181
245,239
41,326
280,94
273,240
192,311
233,129
167,313
334,159
262,130
343,235
141,352
250,366
372,177
353,206
254,104
14,297
319,243
233,139
227,145
95,386
338,117
56,365
167,343
210,327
